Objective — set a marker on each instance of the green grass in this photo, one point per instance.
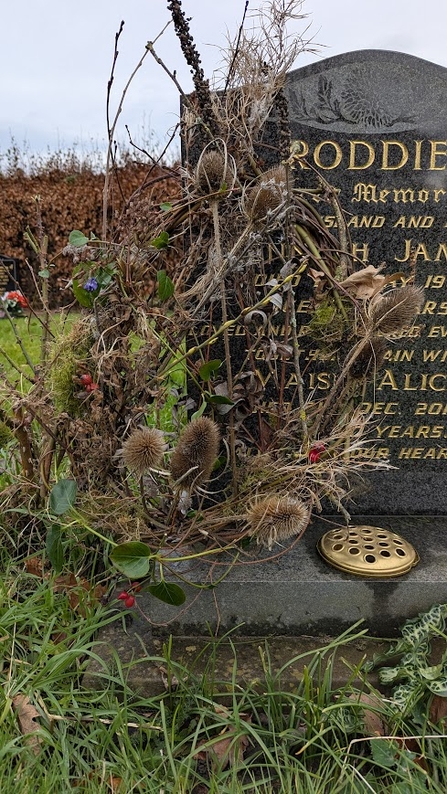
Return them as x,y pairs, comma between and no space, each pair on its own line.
112,739
25,345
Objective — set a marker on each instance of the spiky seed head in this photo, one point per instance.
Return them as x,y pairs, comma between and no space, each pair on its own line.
143,450
396,310
369,359
212,171
267,195
277,518
197,449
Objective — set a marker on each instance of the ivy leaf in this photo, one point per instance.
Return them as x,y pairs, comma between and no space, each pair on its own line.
63,496
78,239
165,285
162,241
206,370
54,547
132,559
45,273
168,592
84,298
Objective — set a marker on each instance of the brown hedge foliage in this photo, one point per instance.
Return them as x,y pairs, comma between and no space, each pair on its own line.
72,199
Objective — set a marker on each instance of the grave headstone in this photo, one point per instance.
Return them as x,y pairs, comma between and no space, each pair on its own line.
374,124
9,274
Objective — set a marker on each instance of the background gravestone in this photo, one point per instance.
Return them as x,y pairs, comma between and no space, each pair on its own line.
9,274
374,124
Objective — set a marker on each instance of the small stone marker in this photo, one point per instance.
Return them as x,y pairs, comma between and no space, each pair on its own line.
374,124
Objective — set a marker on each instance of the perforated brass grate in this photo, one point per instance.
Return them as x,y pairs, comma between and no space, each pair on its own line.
368,551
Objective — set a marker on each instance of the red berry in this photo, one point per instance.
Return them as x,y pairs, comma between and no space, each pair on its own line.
130,601
122,596
86,379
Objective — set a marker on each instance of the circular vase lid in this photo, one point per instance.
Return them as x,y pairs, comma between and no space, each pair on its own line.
367,551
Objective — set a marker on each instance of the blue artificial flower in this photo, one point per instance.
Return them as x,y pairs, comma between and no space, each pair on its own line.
91,285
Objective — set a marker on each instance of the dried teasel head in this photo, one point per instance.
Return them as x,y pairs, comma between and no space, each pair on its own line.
267,195
369,358
215,171
143,450
277,518
395,310
195,454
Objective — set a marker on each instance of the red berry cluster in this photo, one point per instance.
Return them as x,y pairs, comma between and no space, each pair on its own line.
129,598
88,383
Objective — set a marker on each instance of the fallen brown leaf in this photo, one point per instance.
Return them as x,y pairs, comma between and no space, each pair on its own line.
364,283
26,717
373,721
438,709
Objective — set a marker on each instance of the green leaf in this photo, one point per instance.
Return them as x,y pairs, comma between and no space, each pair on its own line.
219,399
206,370
132,559
439,687
45,273
63,496
168,592
166,206
77,238
54,547
199,411
384,752
84,298
162,241
165,285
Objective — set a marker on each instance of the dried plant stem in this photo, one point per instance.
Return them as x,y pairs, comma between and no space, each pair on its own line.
296,361
20,343
305,236
14,366
226,338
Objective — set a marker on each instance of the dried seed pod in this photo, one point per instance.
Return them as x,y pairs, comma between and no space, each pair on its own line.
369,359
214,171
197,450
277,518
396,310
267,195
143,450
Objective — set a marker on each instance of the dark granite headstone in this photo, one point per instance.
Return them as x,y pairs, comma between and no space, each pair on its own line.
374,124
9,274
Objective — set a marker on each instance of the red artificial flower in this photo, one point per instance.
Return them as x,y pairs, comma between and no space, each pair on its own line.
16,296
315,453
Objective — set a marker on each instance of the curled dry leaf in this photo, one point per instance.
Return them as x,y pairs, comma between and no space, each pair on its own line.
364,283
26,717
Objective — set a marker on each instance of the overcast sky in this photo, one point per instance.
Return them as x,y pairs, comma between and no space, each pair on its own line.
55,57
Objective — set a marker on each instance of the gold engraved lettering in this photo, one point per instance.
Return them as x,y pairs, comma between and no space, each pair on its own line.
404,195
337,156
399,355
360,251
441,252
434,355
435,152
364,192
421,453
330,222
437,331
432,409
417,155
435,282
368,157
403,153
388,380
379,408
300,150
